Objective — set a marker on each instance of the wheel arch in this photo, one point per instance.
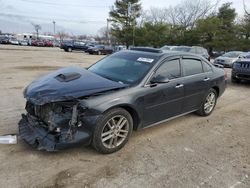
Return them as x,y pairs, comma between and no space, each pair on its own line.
217,89
132,111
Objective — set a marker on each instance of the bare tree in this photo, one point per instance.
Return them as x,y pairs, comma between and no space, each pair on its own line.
37,27
156,15
190,11
245,8
104,35
62,35
186,14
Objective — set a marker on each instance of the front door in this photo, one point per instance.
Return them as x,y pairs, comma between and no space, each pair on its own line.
164,100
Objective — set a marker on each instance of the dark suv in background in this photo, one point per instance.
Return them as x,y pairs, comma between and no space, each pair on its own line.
99,50
241,70
193,49
4,40
71,45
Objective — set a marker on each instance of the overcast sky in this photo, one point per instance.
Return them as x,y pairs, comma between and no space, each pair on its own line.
72,16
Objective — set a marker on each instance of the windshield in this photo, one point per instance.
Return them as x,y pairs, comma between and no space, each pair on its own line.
232,54
181,49
124,67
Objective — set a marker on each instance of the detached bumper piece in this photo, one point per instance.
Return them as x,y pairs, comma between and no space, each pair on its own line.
33,133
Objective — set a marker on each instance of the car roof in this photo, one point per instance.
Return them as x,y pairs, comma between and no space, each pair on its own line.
160,53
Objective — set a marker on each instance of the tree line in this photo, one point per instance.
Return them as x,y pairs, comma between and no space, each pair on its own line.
192,22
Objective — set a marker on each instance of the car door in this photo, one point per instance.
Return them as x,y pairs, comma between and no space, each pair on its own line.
78,45
164,100
196,83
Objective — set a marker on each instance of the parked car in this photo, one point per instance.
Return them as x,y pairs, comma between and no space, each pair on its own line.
23,42
241,69
48,43
99,50
34,43
69,46
167,47
40,43
4,40
245,55
228,58
217,53
13,41
128,90
194,49
119,48
87,46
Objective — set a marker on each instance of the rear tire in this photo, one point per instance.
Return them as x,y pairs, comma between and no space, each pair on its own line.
208,104
69,49
112,131
235,80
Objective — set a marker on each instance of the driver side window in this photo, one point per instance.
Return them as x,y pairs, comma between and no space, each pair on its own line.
170,69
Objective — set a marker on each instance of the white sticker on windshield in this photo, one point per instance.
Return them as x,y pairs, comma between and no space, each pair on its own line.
143,59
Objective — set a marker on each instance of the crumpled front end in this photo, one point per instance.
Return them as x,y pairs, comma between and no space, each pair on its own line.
54,126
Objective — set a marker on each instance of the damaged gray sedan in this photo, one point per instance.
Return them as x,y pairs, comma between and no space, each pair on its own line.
126,91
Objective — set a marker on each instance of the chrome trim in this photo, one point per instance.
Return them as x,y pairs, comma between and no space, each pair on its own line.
171,118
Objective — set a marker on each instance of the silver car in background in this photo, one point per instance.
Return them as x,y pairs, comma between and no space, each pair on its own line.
228,58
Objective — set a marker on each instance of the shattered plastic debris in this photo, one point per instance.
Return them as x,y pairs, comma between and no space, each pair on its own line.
8,139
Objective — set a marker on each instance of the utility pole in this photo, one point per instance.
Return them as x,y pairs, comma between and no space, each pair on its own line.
54,23
108,20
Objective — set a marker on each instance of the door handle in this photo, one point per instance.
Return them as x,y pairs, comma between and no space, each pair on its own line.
206,79
179,86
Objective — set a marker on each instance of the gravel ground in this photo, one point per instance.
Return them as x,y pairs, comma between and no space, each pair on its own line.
190,151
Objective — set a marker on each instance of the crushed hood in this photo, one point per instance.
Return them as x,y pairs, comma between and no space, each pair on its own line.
67,84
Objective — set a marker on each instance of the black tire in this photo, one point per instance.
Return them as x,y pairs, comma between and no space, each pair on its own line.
202,111
235,80
97,141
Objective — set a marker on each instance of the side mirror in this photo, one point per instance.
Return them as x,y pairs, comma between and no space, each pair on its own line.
159,80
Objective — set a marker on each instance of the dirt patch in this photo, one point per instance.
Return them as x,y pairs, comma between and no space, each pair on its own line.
17,87
38,68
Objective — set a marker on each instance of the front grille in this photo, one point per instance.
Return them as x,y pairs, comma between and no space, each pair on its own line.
245,65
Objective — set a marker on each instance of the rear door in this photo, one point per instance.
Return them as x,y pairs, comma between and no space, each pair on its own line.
78,45
196,82
164,100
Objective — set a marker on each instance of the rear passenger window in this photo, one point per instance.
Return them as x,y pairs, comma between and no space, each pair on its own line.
191,67
169,69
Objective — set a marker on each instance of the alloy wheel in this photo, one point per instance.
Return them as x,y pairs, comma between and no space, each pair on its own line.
115,131
210,103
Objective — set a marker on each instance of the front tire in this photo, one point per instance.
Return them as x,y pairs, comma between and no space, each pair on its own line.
112,131
208,104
